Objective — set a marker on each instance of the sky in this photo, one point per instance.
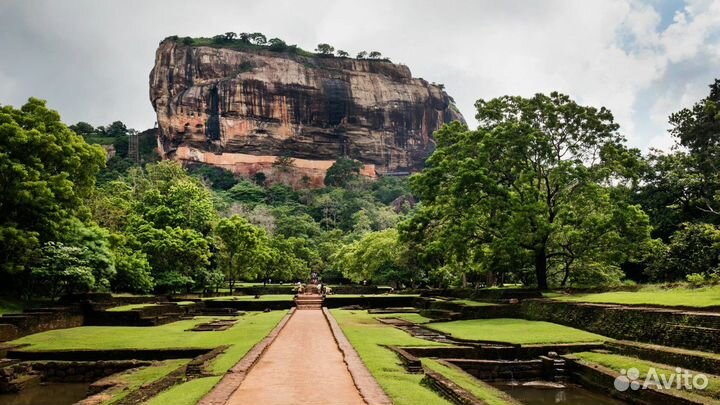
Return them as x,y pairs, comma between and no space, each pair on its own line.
642,59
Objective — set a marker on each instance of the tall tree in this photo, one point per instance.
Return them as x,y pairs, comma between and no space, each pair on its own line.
244,249
46,173
698,130
514,183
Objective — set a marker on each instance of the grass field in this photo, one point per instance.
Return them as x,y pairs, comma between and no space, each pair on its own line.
652,295
129,307
249,329
133,379
188,393
472,303
366,335
618,363
410,317
487,393
517,331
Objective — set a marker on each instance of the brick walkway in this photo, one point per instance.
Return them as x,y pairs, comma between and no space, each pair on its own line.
302,366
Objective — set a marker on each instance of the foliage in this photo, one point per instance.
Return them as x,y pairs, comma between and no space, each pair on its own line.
46,172
217,177
377,256
533,186
342,171
63,269
694,249
179,257
325,49
243,249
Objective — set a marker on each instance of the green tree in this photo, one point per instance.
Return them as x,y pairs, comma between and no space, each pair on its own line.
62,269
698,130
277,45
116,129
374,55
179,257
46,173
258,38
83,129
377,257
247,193
342,171
342,54
133,271
325,49
243,249
515,182
361,55
693,249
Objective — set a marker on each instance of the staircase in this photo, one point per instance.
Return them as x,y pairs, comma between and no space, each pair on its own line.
309,301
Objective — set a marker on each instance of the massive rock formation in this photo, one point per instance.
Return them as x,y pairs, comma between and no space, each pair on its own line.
241,109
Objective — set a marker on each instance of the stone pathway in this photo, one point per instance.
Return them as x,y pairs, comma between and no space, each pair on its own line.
302,366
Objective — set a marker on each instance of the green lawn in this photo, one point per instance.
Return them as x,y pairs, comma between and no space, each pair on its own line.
133,379
652,295
249,328
188,393
367,334
410,317
472,303
129,307
619,362
487,393
519,331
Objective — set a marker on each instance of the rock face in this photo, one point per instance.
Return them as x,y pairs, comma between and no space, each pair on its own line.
242,109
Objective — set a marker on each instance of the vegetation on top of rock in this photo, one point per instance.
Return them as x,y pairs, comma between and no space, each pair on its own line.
258,41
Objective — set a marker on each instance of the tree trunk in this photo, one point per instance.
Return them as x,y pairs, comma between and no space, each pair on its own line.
541,268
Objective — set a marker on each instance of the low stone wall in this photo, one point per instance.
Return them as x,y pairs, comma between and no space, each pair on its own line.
411,363
384,301
602,378
448,389
691,360
691,330
291,289
489,294
99,355
8,332
511,352
251,305
28,323
494,370
83,371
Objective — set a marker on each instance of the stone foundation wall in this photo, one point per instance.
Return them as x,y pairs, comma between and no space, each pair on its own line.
83,371
697,331
31,322
494,370
448,389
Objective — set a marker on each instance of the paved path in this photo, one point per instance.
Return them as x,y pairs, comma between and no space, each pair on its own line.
302,366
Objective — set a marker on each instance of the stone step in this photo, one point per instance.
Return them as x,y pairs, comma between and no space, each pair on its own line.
20,383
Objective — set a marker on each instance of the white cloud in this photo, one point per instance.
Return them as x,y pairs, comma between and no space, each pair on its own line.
91,59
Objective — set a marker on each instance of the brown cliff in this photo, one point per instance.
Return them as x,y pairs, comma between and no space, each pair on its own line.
241,109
